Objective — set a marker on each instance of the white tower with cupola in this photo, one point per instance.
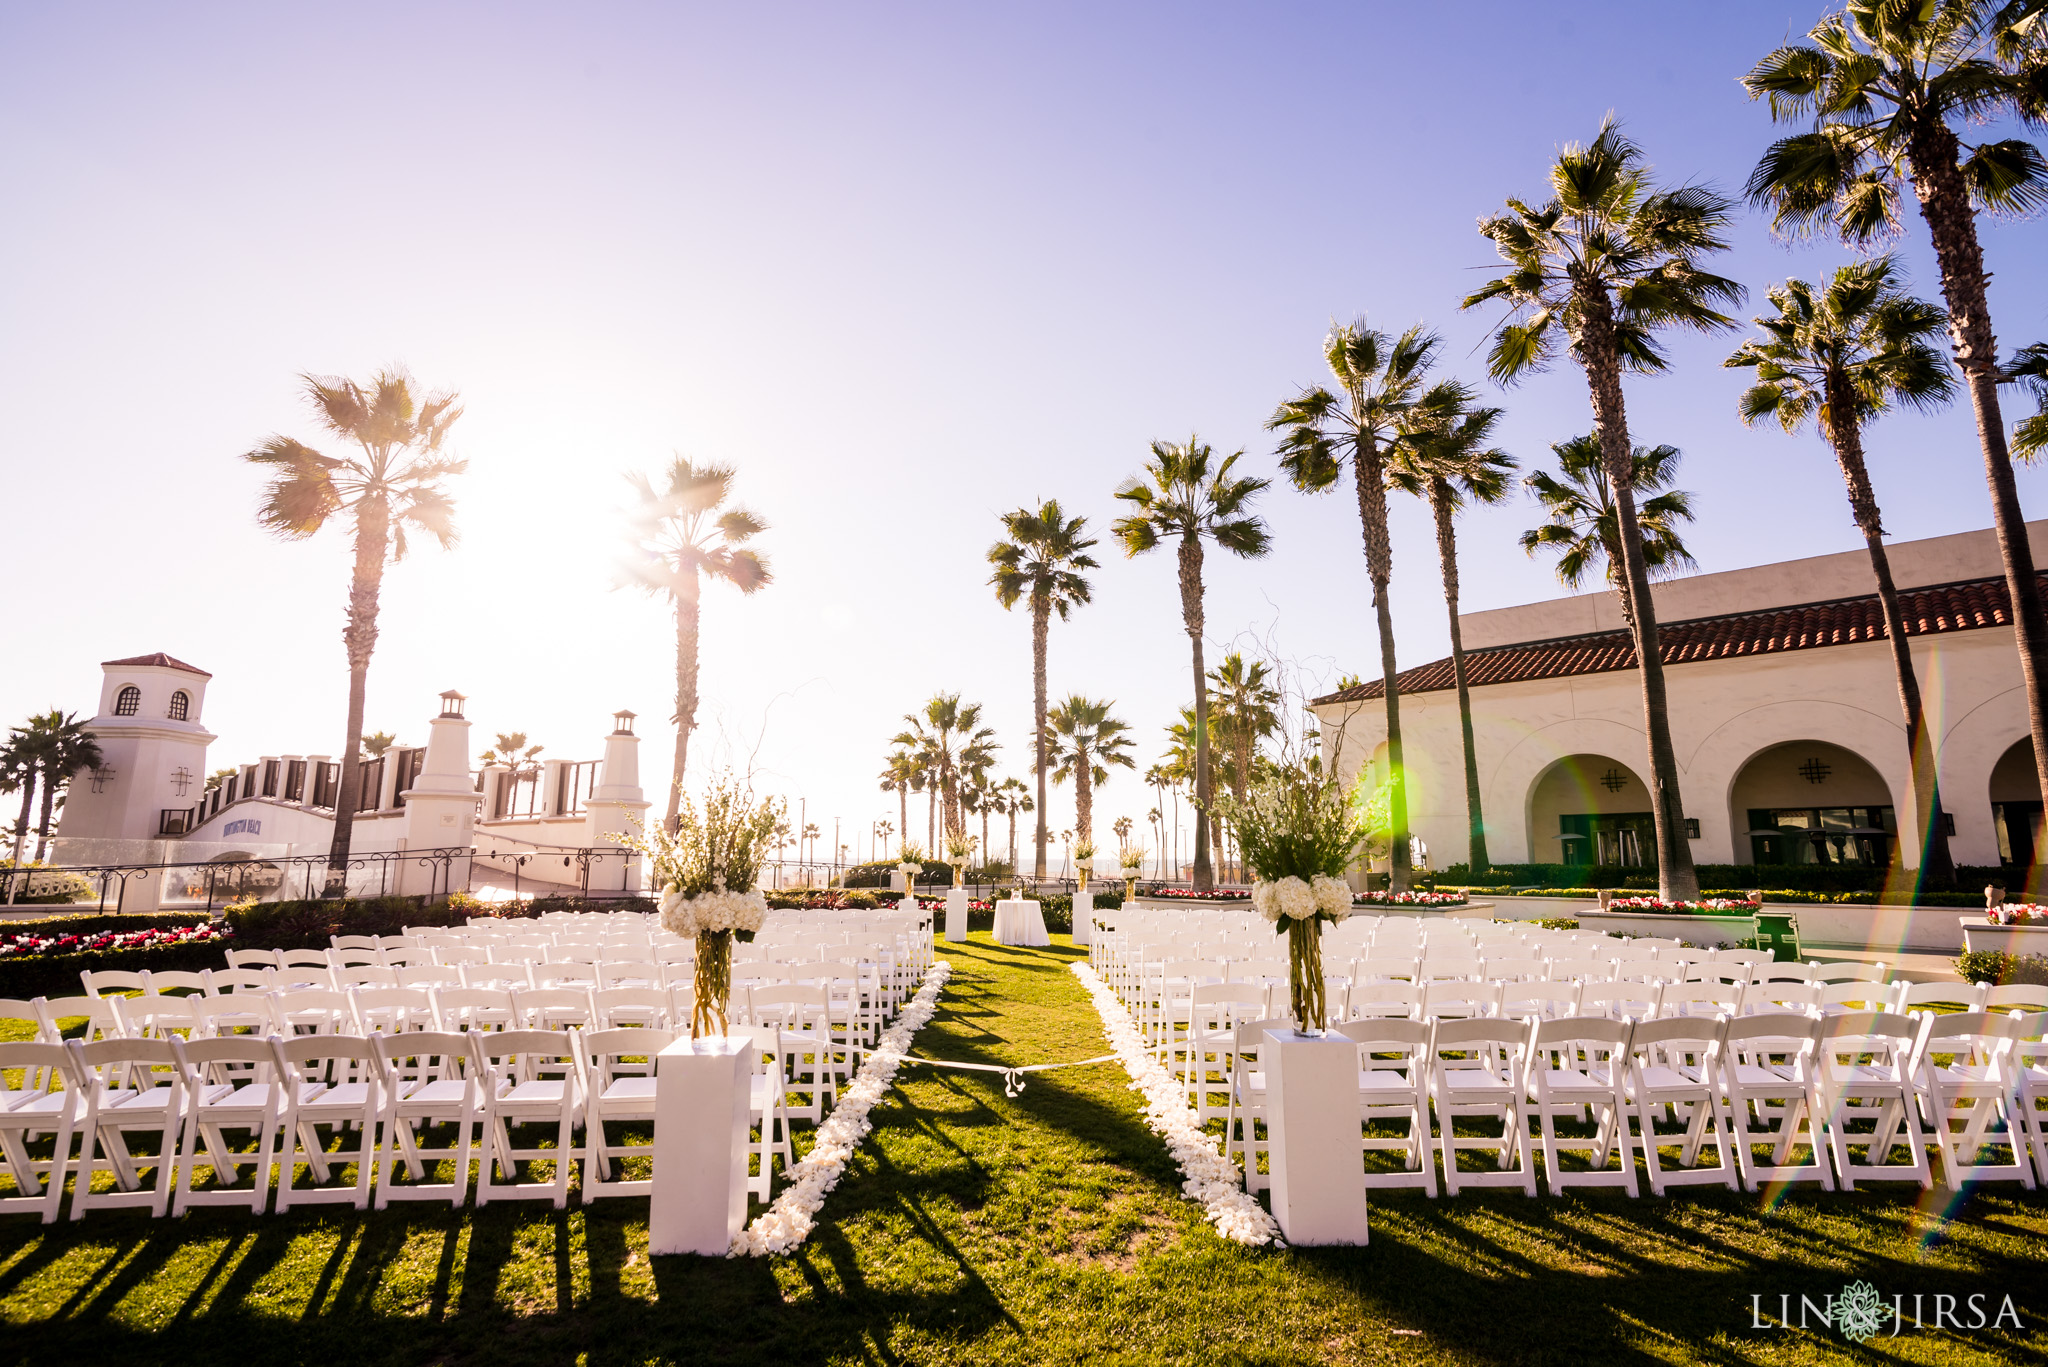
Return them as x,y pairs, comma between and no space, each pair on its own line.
153,749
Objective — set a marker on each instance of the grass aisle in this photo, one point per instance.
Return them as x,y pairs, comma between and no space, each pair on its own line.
1045,1228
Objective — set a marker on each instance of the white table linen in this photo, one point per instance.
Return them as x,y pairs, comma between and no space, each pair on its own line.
1020,922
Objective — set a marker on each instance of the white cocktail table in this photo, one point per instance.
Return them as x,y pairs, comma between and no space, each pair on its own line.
1020,922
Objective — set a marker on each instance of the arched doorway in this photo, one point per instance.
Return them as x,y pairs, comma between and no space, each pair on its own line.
2016,808
1590,809
1810,802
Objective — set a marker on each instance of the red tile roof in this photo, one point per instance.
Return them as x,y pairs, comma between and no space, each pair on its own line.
1929,611
159,660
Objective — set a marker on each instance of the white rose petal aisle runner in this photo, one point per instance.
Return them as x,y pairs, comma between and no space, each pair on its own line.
1211,1178
789,1221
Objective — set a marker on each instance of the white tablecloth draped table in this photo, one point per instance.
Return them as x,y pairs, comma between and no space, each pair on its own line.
1020,923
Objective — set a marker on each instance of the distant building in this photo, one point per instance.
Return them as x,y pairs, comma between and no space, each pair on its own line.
151,801
1784,713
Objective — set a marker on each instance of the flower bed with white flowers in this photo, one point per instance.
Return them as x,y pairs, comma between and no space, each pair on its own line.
1210,1178
789,1221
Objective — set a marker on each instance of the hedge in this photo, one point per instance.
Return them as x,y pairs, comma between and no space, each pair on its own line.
309,923
56,975
1797,877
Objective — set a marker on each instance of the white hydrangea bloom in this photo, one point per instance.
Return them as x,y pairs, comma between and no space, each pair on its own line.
1333,896
1265,902
1297,901
677,914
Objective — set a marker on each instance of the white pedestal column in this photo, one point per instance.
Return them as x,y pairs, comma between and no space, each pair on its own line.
702,1113
1318,1154
956,913
1084,918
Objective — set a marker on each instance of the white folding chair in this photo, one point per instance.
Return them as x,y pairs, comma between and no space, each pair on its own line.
101,982
1393,1088
428,1080
331,1080
392,1010
618,1089
1582,1061
553,1008
1864,1066
232,1085
1673,1069
1966,1079
1215,1012
2023,997
1913,997
1247,1109
1479,1070
802,1018
769,1101
1767,1073
2029,1067
50,1100
634,1006
629,973
131,1086
474,1008
161,981
526,1077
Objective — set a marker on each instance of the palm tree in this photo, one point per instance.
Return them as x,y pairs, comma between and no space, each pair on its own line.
1609,260
1082,740
2030,368
899,776
1844,355
1242,713
1446,458
392,483
1186,493
376,743
682,534
66,747
1042,561
1014,798
1887,86
950,736
1381,379
20,763
1584,526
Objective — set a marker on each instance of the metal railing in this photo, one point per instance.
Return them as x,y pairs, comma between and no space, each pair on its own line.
207,884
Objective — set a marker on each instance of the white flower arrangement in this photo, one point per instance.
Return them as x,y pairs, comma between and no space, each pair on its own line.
712,911
789,1221
1210,1177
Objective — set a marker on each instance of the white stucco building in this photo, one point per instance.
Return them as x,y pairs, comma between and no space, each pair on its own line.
426,820
1784,714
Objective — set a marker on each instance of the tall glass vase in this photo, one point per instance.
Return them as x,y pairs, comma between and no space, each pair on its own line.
714,982
1305,974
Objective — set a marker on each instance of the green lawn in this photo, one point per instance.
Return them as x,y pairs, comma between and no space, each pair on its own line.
1045,1228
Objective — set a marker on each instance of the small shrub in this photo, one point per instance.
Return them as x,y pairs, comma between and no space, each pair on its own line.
2001,969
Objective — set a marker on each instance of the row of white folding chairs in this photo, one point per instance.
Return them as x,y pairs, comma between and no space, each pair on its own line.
281,1090
1962,1083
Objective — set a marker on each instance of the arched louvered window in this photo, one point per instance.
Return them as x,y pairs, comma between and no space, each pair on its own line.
128,701
181,703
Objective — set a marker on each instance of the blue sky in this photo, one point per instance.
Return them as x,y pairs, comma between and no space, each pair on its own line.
905,266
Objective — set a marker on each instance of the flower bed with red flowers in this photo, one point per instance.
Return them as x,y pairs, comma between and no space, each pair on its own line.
2019,914
99,942
1408,899
1705,906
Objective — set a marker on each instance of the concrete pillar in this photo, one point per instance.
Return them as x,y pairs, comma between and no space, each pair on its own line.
615,805
440,807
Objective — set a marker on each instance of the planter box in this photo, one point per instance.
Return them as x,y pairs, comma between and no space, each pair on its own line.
1707,931
1983,935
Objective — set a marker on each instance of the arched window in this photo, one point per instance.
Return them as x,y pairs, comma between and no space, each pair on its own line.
128,701
181,703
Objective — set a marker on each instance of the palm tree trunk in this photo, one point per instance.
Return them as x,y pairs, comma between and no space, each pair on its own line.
1191,617
1447,554
902,811
49,807
687,628
1952,223
359,636
1937,867
1676,878
1041,623
1379,565
1084,798
931,821
28,798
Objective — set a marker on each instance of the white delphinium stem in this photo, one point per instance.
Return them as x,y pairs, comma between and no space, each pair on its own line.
789,1221
1211,1177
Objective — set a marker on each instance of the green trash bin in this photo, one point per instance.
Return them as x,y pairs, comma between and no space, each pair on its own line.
1778,931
